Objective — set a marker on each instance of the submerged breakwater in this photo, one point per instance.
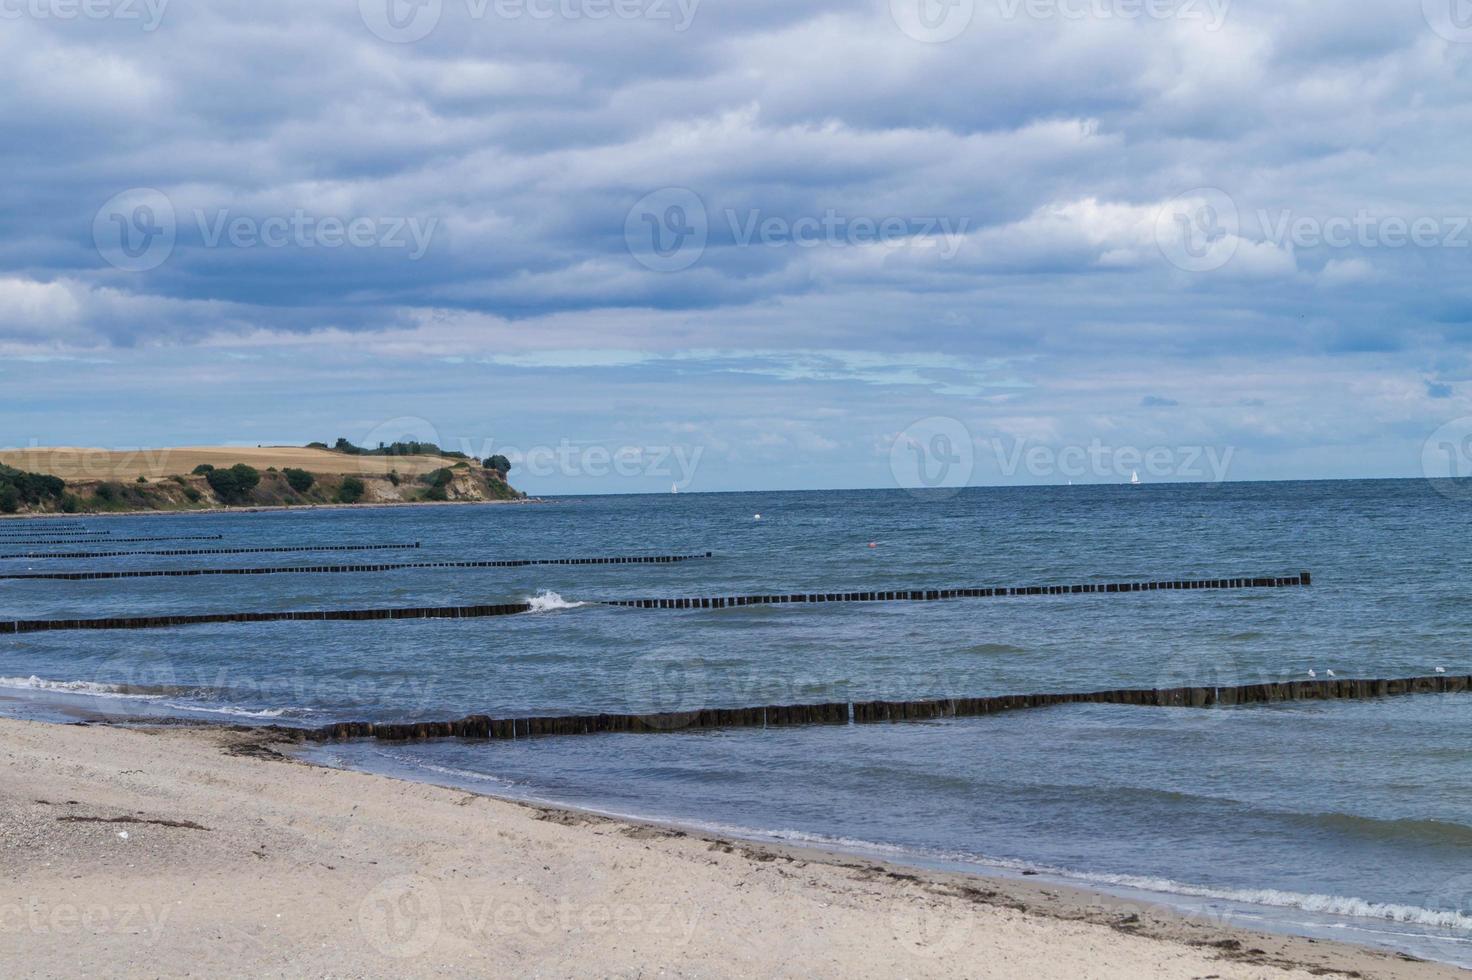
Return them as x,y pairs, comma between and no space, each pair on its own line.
174,552
719,602
88,576
111,541
988,592
871,712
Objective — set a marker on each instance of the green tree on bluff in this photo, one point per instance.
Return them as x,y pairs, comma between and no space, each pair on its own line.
299,480
351,491
235,484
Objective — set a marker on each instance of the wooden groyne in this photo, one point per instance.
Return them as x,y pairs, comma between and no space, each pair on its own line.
310,615
112,541
875,712
336,569
986,592
508,609
36,532
213,551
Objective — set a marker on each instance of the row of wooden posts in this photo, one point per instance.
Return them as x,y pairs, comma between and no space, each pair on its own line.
985,592
872,712
37,532
330,569
719,602
113,541
214,551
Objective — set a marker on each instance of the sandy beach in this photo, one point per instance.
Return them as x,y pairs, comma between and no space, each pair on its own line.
188,852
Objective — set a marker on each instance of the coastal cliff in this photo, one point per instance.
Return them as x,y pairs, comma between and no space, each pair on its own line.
333,479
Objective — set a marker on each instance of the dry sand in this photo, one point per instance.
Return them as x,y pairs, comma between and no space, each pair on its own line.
76,463
187,852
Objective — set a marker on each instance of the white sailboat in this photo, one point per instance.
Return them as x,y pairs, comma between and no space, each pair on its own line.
674,488
1135,477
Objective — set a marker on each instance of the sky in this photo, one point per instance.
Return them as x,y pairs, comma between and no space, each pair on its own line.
747,244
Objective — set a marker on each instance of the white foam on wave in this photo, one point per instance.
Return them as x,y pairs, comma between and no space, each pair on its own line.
89,688
1338,905
93,689
549,601
232,711
1277,898
451,771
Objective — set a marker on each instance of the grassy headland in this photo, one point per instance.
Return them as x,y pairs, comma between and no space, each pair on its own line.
91,481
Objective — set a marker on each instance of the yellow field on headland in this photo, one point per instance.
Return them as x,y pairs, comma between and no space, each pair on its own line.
78,463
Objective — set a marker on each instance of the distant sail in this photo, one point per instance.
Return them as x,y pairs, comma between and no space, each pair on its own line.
1134,476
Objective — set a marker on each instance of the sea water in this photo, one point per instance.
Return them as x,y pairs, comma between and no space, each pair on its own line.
1347,819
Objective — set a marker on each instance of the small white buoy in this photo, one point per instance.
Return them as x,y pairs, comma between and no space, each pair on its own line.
756,517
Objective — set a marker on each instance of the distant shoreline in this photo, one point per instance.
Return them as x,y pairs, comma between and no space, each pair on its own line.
261,508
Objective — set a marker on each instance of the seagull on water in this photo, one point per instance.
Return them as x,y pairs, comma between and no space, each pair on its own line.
1311,673
1441,670
1329,672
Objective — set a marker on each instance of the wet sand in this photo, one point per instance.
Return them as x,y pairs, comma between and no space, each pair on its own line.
187,851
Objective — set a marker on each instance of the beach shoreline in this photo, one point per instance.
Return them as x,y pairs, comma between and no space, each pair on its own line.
216,850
